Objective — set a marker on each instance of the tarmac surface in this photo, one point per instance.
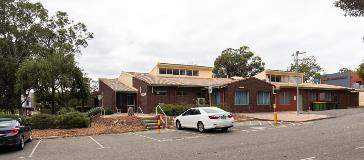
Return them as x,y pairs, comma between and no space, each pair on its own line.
336,138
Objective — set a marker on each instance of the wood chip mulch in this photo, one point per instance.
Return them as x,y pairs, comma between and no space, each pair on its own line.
99,125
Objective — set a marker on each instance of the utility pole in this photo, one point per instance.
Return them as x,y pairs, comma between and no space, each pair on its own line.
297,80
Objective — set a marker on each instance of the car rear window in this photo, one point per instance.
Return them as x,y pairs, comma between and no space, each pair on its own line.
213,110
7,123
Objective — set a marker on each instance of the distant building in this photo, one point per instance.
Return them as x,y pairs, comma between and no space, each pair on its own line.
28,104
346,79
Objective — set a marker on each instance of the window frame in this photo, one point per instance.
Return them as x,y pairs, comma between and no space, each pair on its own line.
166,93
161,69
284,96
269,98
184,93
248,96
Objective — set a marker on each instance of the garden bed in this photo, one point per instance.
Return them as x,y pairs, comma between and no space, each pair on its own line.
99,125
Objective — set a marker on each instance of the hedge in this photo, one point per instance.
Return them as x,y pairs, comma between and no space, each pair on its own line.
175,109
44,121
73,120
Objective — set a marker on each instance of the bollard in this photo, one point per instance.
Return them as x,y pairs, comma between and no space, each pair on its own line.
159,123
275,117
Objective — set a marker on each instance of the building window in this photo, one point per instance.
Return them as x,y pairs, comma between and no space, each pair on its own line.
313,97
161,93
195,73
241,97
284,98
162,71
175,71
169,71
326,96
216,98
181,93
263,98
189,73
182,72
274,78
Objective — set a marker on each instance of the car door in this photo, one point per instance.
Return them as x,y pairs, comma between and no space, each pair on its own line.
195,117
185,121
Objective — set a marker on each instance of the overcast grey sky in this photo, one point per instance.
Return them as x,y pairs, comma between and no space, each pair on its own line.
134,35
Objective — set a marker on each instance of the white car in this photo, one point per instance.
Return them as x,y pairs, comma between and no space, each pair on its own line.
203,118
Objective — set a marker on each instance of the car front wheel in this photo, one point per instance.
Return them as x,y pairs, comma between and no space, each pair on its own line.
178,125
200,127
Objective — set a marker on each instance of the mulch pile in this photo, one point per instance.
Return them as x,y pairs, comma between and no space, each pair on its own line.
240,117
99,125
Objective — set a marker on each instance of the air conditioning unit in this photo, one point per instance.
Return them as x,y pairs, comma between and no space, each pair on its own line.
200,101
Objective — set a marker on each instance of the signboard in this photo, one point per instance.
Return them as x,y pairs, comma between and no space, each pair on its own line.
210,89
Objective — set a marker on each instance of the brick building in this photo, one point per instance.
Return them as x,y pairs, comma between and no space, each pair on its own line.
189,84
285,83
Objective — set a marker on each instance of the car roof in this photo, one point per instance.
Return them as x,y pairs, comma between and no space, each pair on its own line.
7,119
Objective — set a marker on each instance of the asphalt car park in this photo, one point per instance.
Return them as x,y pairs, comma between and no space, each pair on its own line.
95,146
337,138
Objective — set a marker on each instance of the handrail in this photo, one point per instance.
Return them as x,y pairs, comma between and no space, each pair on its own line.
102,109
139,108
165,116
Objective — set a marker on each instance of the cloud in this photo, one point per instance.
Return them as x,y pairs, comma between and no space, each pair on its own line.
134,35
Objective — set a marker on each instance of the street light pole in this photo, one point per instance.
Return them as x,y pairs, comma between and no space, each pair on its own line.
297,80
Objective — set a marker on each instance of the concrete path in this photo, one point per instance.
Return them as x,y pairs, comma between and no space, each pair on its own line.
289,116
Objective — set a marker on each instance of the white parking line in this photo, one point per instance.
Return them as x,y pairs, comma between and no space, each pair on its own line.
360,147
271,123
101,146
292,124
311,158
31,154
154,139
281,123
250,123
260,123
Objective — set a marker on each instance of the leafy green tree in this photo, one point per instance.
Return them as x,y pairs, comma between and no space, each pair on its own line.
55,79
351,7
309,66
237,62
360,70
27,31
343,70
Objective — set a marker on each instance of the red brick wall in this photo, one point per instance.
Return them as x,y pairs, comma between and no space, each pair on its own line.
108,99
345,99
151,100
252,85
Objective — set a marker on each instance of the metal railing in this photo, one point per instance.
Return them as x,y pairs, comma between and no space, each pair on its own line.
164,114
140,109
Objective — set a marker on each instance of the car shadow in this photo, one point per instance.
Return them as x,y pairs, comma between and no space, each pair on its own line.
7,150
210,131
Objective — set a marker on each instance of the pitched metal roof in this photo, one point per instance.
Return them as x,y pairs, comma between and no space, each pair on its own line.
117,85
310,86
182,81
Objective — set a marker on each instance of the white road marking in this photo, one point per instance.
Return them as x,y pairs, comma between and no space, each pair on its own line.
292,124
250,123
258,128
154,139
260,123
282,124
271,123
311,158
360,147
101,146
36,146
245,131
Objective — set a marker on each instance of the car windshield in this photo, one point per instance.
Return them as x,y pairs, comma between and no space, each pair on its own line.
213,110
6,123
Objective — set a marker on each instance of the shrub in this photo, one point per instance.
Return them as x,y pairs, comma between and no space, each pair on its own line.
43,121
94,111
73,120
67,110
23,120
108,111
175,109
